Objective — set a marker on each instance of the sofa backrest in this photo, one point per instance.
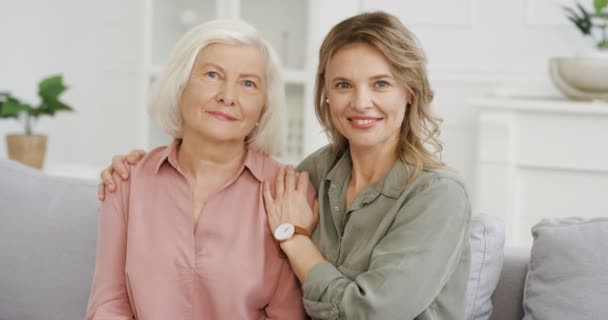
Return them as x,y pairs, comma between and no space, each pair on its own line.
508,296
48,231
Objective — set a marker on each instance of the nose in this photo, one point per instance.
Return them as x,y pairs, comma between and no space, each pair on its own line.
226,94
362,99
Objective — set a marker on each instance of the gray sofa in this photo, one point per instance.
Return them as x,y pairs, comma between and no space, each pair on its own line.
508,296
47,249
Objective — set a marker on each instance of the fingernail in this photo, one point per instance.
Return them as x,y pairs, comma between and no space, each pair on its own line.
124,176
112,187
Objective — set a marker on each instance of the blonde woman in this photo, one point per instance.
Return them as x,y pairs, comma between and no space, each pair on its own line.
392,236
186,237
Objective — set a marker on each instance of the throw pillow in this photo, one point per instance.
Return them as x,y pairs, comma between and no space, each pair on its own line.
487,254
568,272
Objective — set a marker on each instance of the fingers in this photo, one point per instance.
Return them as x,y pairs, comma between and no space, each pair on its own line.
290,179
118,165
101,192
134,156
268,199
315,210
279,187
107,179
303,181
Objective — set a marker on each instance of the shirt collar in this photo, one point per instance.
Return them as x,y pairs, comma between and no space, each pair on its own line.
254,161
169,155
391,185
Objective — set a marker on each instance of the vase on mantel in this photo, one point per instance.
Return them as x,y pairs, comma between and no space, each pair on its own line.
583,77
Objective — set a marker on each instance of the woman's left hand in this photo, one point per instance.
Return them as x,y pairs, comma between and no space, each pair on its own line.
290,201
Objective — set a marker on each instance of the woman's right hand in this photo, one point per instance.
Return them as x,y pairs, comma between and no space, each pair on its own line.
119,164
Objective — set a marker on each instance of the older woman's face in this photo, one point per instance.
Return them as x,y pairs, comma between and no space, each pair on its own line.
367,104
225,94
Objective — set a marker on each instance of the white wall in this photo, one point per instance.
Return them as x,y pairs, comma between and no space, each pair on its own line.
97,46
474,46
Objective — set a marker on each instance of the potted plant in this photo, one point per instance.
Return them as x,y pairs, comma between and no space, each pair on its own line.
585,76
591,23
27,147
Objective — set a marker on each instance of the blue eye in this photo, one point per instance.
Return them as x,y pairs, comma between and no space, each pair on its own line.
249,83
213,75
342,85
382,84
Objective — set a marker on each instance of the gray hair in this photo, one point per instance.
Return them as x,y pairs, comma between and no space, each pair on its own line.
164,106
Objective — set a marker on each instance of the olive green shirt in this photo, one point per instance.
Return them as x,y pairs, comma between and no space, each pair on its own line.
396,253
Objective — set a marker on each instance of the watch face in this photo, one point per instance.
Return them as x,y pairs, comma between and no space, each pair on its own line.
284,231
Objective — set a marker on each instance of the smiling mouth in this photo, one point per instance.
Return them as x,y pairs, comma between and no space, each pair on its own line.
363,123
222,116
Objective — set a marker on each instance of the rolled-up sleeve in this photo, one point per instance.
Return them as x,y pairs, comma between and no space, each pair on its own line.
109,299
409,267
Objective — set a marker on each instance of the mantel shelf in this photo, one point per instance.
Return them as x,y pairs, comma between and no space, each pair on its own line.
549,105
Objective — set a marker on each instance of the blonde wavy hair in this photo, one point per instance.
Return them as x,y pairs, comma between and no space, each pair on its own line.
419,144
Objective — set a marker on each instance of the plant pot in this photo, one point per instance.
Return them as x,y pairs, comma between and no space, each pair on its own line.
27,149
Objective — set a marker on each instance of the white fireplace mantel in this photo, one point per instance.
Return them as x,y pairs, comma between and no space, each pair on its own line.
539,159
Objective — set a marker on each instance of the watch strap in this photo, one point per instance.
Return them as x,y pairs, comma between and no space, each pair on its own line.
302,231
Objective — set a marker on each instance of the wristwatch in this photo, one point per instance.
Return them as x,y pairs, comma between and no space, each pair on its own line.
286,231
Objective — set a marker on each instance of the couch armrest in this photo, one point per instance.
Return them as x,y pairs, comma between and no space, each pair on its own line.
508,296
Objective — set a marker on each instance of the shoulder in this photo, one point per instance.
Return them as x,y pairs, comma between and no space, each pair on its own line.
319,163
435,198
440,185
441,178
150,161
270,167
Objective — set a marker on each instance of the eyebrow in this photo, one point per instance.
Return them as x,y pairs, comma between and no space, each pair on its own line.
376,77
251,75
213,65
244,75
381,76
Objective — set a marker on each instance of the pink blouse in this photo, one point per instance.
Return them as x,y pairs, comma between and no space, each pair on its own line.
151,265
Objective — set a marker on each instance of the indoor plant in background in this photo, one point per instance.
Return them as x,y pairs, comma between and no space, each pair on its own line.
585,77
592,23
27,147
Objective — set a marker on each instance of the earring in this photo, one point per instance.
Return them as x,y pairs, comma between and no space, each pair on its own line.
327,100
257,124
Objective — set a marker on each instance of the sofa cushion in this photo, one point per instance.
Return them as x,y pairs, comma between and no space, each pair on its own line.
568,272
47,244
487,254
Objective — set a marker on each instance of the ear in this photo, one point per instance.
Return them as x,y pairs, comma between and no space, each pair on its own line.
408,99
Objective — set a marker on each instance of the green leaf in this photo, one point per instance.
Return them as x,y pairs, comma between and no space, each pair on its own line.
51,88
50,108
12,107
586,14
600,5
583,22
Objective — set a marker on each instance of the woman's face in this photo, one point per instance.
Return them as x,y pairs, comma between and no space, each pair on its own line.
367,104
225,93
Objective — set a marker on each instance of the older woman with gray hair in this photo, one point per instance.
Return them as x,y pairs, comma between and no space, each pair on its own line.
187,237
